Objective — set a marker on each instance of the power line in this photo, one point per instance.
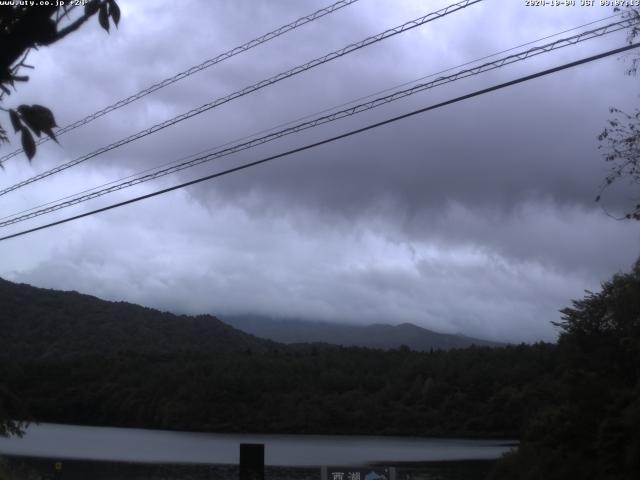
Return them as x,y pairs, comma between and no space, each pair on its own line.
250,89
331,139
291,122
499,63
190,71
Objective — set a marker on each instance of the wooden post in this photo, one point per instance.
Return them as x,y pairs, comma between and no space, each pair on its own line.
251,461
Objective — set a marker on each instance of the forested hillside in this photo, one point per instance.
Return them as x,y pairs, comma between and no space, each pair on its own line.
41,323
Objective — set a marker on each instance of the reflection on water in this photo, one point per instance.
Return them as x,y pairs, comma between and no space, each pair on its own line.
137,445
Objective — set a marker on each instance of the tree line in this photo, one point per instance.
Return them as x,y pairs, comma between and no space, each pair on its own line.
476,392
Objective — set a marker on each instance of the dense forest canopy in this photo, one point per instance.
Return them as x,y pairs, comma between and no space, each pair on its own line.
472,392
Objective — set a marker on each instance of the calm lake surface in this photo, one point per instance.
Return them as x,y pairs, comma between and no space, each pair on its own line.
137,445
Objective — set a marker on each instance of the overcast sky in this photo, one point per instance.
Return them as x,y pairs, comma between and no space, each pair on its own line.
477,218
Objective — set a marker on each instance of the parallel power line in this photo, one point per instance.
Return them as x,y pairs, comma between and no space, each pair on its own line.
499,63
291,122
250,89
190,71
331,139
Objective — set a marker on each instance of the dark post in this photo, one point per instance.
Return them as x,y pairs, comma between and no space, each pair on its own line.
251,461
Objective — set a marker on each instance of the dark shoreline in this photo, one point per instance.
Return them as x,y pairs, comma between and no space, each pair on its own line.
36,468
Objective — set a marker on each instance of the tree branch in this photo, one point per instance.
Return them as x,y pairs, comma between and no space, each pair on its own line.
72,27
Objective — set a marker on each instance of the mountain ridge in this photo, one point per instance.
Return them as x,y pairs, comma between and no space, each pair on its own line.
38,323
377,335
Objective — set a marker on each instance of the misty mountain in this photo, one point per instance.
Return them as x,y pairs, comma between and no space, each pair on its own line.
39,323
372,336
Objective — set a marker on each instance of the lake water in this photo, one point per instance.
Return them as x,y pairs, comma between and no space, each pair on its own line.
138,445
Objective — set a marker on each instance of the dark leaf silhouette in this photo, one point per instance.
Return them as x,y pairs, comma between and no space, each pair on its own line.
30,118
114,11
28,145
39,119
91,7
44,115
15,120
103,17
45,119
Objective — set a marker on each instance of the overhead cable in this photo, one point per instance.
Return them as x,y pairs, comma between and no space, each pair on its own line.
329,140
250,89
190,71
311,115
499,63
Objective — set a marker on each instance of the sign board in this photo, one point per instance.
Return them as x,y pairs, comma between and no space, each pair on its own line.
358,473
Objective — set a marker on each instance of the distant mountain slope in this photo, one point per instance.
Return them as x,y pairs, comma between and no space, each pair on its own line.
372,336
39,323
